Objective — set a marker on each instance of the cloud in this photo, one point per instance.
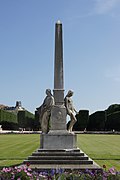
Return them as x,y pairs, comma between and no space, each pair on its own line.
113,73
105,6
95,7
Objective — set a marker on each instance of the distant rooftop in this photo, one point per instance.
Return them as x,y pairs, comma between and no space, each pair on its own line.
12,108
3,106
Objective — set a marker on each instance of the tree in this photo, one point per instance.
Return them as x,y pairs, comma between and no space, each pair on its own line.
82,120
97,121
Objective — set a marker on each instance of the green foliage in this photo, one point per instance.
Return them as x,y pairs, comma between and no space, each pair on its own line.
113,108
82,120
21,119
7,116
29,114
113,121
100,120
9,125
36,122
12,121
97,121
8,120
25,119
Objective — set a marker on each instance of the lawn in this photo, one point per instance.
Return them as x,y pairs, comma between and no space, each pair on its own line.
14,148
103,149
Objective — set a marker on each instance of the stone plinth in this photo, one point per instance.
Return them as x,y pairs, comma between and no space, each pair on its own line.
58,118
59,140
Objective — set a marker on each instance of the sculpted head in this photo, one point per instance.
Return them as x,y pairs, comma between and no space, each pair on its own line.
70,93
48,92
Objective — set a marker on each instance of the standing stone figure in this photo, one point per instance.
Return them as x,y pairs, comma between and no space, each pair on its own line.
44,111
70,110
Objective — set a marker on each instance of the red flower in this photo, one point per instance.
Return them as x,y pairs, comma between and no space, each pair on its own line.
104,166
27,164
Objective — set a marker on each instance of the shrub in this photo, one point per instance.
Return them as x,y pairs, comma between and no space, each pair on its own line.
113,121
25,119
113,108
82,120
8,116
97,121
8,120
9,125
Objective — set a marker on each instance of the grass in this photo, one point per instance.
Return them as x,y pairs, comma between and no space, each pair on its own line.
103,149
14,148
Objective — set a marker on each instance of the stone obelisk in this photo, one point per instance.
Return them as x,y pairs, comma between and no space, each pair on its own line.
58,115
58,66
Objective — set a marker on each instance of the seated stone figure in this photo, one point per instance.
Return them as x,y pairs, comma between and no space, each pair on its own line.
70,110
44,111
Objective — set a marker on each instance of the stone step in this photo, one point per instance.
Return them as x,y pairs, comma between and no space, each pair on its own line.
57,158
58,161
57,154
43,159
59,150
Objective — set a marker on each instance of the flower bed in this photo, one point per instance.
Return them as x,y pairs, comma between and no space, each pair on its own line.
25,173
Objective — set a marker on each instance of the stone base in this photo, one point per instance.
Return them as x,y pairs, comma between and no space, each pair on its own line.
66,159
58,141
58,150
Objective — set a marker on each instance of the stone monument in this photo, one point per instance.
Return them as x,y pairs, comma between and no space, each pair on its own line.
58,147
58,137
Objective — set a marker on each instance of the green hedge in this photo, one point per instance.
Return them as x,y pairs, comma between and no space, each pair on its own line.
7,116
82,120
113,121
25,119
9,125
37,125
113,108
8,120
97,121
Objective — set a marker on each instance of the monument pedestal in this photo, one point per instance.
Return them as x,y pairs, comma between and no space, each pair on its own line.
61,140
60,152
58,137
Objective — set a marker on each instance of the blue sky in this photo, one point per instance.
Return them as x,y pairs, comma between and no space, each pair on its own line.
91,41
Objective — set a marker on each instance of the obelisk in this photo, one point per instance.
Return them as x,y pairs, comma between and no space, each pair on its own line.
58,116
58,66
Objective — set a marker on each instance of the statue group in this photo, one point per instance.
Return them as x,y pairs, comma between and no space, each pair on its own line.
44,110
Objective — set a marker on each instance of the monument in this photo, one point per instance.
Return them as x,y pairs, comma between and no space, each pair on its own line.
58,147
58,137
